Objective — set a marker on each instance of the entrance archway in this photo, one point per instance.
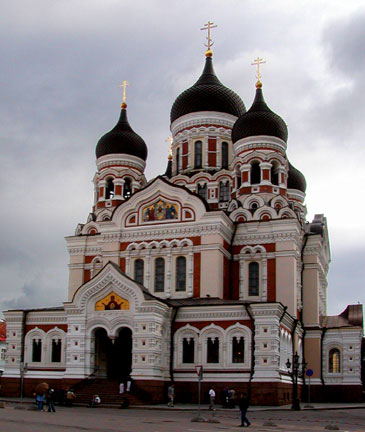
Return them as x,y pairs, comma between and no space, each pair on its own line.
113,357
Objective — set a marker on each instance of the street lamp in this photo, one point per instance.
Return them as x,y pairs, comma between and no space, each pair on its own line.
298,369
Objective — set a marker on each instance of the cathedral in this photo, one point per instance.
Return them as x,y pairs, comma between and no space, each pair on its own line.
211,266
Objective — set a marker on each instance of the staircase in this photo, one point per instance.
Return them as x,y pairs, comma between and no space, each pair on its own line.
108,391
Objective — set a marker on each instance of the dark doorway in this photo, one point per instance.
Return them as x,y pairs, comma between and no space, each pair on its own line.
113,358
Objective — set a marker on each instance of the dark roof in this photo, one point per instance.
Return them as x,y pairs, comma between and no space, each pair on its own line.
122,139
259,120
168,172
207,94
296,179
350,317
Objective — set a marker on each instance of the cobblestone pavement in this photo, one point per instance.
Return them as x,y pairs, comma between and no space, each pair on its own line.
77,419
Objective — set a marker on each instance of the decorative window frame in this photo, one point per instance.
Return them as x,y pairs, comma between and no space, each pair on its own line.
35,333
55,333
187,331
212,331
327,364
238,330
247,255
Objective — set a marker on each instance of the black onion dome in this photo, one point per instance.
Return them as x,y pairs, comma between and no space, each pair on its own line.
296,179
122,139
207,94
259,120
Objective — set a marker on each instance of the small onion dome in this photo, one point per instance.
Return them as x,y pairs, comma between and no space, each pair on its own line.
259,120
122,139
207,94
168,172
296,179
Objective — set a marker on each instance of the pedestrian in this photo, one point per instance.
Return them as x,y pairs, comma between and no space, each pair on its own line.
50,400
95,401
243,404
40,398
232,398
211,399
171,395
70,396
129,383
121,388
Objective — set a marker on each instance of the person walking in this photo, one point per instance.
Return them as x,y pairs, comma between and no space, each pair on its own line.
129,383
171,395
211,399
40,398
243,404
50,400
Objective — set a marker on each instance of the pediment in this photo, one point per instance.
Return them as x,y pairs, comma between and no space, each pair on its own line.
160,202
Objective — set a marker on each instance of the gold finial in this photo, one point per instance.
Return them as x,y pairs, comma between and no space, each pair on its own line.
209,25
257,62
124,85
170,140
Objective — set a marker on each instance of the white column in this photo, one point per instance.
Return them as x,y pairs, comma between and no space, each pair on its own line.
190,272
242,279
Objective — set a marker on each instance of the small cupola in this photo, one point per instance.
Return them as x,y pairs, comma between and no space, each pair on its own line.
259,120
296,179
122,140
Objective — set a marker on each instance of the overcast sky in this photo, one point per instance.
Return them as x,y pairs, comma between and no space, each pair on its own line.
62,61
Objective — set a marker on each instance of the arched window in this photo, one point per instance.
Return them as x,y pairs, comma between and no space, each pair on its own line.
253,279
159,275
255,173
56,350
97,265
127,190
36,350
109,189
198,154
139,271
334,361
224,155
213,350
180,274
238,349
224,191
177,161
202,190
274,174
238,178
188,348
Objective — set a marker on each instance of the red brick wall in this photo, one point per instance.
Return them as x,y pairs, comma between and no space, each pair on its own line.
196,282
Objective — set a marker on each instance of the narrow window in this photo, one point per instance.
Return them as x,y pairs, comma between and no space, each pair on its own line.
238,179
37,350
127,190
224,155
180,274
253,279
198,154
177,161
334,361
223,191
159,275
213,350
202,190
274,174
188,350
56,350
139,271
109,190
238,350
255,173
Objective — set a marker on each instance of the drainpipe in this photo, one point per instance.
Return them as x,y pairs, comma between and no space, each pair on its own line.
322,341
174,313
301,294
22,349
249,313
231,259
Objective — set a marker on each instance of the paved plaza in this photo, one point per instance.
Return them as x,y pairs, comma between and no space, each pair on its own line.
175,419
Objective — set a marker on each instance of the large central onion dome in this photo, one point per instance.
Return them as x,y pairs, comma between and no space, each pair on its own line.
122,139
207,94
259,120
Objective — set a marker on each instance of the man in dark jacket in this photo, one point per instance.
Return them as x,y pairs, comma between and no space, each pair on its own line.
243,404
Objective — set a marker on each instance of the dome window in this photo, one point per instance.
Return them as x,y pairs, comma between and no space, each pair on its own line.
177,161
254,206
127,190
224,191
198,154
109,190
255,173
202,190
274,174
224,155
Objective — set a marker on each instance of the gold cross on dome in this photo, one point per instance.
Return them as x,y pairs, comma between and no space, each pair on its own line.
257,62
124,85
209,25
